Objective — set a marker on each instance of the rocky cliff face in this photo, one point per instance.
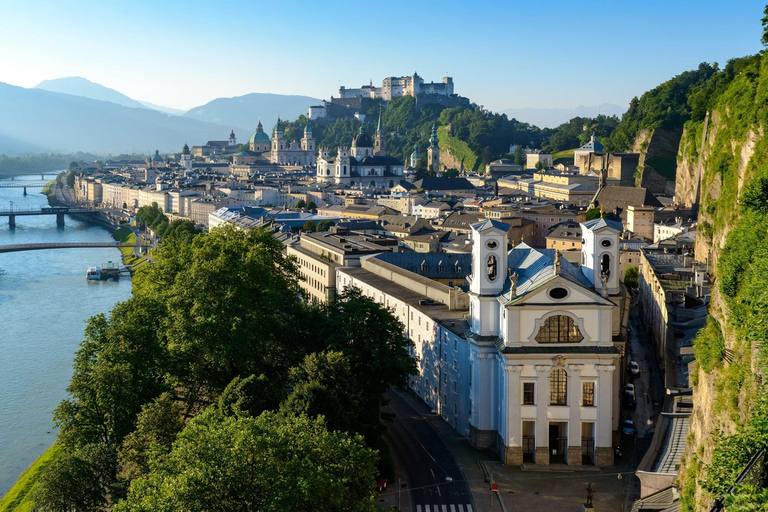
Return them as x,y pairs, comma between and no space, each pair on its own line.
716,158
658,153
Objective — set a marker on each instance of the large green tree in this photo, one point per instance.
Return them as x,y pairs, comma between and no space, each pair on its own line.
269,463
325,384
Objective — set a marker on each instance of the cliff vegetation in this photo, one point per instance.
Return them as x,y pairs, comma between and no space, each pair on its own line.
723,161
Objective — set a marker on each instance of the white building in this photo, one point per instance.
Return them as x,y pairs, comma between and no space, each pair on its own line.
365,163
533,371
398,86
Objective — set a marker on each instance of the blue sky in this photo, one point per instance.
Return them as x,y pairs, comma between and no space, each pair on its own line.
501,53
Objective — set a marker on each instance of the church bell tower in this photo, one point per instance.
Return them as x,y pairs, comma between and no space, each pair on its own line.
489,275
433,153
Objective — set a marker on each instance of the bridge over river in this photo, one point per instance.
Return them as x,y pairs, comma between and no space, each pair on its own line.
62,245
58,211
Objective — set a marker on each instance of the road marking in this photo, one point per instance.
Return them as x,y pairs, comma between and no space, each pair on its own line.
418,508
445,509
438,491
453,508
469,508
433,473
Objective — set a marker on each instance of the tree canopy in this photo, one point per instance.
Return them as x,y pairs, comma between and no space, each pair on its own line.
272,463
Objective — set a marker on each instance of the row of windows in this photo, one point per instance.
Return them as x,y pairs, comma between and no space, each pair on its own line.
558,390
314,268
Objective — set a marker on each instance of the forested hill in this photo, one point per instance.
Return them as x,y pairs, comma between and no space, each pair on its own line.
488,135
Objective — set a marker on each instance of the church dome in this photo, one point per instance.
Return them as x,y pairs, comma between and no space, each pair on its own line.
362,140
259,137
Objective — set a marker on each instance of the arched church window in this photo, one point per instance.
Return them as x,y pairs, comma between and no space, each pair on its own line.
491,267
558,387
344,169
559,329
605,265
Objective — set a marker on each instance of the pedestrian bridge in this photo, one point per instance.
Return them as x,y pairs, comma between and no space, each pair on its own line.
23,185
62,245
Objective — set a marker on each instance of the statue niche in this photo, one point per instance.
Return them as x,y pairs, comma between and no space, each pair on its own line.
492,267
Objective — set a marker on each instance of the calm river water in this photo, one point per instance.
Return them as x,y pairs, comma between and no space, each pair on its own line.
44,303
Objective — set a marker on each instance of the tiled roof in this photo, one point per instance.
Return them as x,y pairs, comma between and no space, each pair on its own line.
431,265
488,224
444,184
612,196
534,267
602,222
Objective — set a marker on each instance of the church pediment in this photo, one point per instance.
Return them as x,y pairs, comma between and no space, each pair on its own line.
556,291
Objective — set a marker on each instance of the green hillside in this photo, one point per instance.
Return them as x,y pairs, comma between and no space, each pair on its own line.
458,149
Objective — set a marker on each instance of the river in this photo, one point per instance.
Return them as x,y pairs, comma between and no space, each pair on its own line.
44,304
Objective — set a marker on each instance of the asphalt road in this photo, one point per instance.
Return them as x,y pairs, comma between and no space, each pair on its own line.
649,392
425,459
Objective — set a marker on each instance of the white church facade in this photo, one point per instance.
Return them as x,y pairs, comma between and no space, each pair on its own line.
364,164
526,360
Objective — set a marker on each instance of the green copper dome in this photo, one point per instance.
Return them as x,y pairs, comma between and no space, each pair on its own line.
259,137
433,140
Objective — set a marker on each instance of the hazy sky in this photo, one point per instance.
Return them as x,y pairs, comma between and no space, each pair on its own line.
501,53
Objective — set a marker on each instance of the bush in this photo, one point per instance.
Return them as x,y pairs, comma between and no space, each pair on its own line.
709,345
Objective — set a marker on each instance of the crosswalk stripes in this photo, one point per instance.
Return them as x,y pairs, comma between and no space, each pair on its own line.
444,508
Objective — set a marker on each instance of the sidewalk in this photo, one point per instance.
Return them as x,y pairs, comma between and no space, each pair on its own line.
540,489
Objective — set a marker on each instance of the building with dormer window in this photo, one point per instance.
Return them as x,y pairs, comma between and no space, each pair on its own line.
523,355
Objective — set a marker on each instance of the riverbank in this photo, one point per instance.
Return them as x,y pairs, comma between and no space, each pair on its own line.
58,194
19,497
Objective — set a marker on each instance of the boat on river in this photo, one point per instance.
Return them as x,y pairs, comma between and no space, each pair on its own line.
109,271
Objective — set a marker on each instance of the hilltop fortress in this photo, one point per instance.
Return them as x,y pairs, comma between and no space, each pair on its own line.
351,102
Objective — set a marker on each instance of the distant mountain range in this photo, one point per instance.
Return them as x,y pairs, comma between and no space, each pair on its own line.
75,114
35,120
78,86
553,117
247,110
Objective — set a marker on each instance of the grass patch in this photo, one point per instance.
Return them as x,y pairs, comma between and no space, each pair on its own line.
563,157
130,239
459,149
710,345
122,233
18,498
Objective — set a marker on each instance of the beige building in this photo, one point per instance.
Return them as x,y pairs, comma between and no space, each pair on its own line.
640,220
536,156
545,219
319,255
566,188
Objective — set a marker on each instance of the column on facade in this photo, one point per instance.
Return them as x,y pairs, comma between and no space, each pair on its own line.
574,419
604,427
542,421
513,438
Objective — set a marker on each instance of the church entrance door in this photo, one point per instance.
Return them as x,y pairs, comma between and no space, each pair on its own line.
558,443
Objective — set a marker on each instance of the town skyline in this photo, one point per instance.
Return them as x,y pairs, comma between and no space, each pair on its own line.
182,56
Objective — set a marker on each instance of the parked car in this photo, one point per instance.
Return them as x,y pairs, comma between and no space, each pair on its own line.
628,427
631,402
381,483
629,389
634,367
